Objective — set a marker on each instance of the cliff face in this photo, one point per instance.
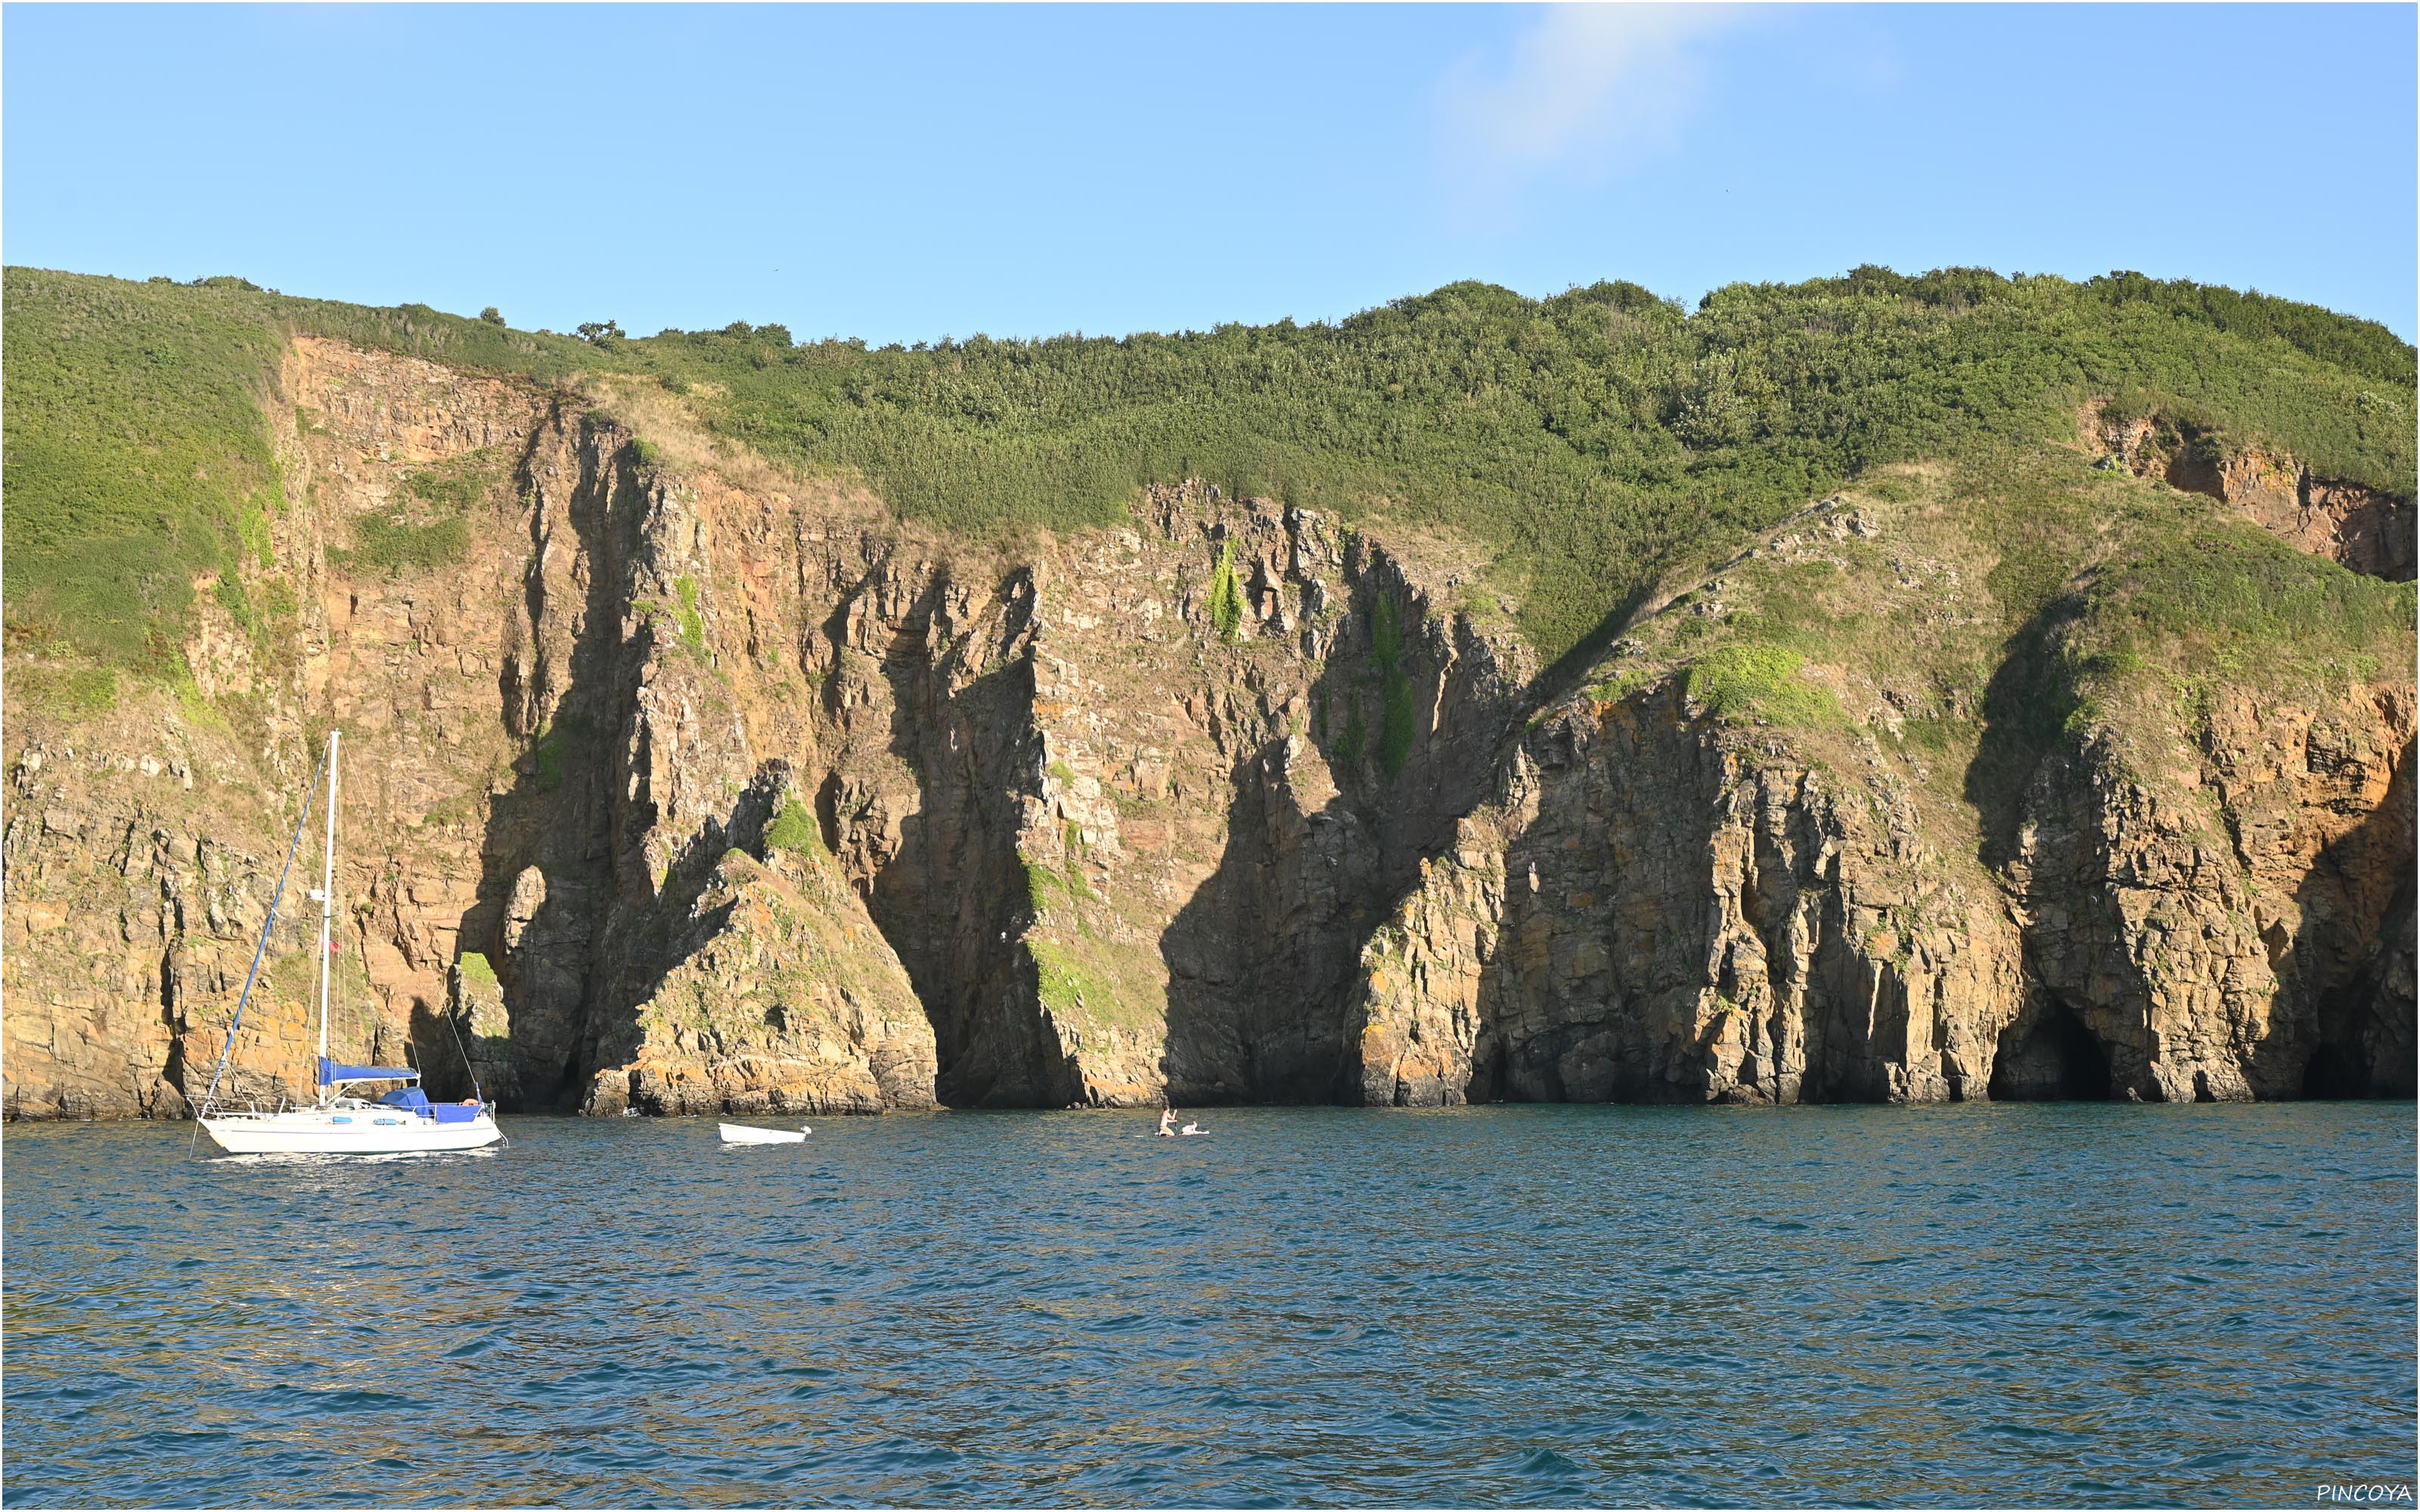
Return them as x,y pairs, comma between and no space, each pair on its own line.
1121,848
543,773
1657,909
674,783
2226,931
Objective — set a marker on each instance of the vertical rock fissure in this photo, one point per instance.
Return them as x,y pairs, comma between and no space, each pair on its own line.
548,878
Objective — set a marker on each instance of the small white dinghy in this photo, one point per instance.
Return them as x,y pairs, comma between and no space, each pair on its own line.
744,1134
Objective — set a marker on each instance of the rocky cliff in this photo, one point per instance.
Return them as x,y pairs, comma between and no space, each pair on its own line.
2182,890
678,783
1656,907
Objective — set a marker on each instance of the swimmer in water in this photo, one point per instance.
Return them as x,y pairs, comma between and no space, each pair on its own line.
1166,1118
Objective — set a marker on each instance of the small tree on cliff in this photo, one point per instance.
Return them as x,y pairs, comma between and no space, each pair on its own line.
1226,594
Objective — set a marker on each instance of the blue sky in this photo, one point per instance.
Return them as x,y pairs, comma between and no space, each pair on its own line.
900,172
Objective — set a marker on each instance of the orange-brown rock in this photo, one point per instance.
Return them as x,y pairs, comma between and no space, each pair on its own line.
2364,527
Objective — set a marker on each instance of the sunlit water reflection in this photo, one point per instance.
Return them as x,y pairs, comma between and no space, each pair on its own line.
1532,1305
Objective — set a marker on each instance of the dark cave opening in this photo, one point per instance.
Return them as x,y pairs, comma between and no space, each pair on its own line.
2335,1071
2054,1059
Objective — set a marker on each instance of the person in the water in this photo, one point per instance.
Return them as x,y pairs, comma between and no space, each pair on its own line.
1166,1118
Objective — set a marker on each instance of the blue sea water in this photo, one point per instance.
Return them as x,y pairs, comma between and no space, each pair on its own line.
2044,1304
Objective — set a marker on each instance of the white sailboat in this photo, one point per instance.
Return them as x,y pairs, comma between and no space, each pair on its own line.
402,1121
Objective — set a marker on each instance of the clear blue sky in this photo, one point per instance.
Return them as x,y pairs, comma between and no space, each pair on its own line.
905,172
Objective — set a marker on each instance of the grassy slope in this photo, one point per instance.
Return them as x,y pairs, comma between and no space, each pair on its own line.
139,458
1590,442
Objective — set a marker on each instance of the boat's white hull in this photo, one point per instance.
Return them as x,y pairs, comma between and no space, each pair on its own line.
742,1133
308,1130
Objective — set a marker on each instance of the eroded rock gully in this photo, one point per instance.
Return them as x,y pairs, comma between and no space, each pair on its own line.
2363,528
1071,822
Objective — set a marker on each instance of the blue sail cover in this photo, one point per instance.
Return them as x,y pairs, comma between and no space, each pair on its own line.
331,1074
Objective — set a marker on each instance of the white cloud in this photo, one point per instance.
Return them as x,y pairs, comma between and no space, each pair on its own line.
1585,87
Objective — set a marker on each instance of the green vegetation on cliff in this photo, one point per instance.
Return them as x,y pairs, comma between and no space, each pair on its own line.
1226,594
1397,720
138,458
1592,440
1067,988
793,829
429,526
1748,680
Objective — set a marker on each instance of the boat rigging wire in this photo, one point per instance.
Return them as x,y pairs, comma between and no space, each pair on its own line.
465,1053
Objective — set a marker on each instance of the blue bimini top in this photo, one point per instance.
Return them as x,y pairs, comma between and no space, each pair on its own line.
331,1074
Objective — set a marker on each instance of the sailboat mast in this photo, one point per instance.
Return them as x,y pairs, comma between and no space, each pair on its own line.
327,896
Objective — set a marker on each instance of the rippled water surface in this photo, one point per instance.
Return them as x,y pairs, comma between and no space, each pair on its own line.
1552,1305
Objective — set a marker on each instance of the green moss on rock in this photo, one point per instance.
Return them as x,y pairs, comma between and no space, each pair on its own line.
794,830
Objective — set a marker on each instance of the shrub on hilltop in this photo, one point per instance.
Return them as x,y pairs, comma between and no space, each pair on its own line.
1591,440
